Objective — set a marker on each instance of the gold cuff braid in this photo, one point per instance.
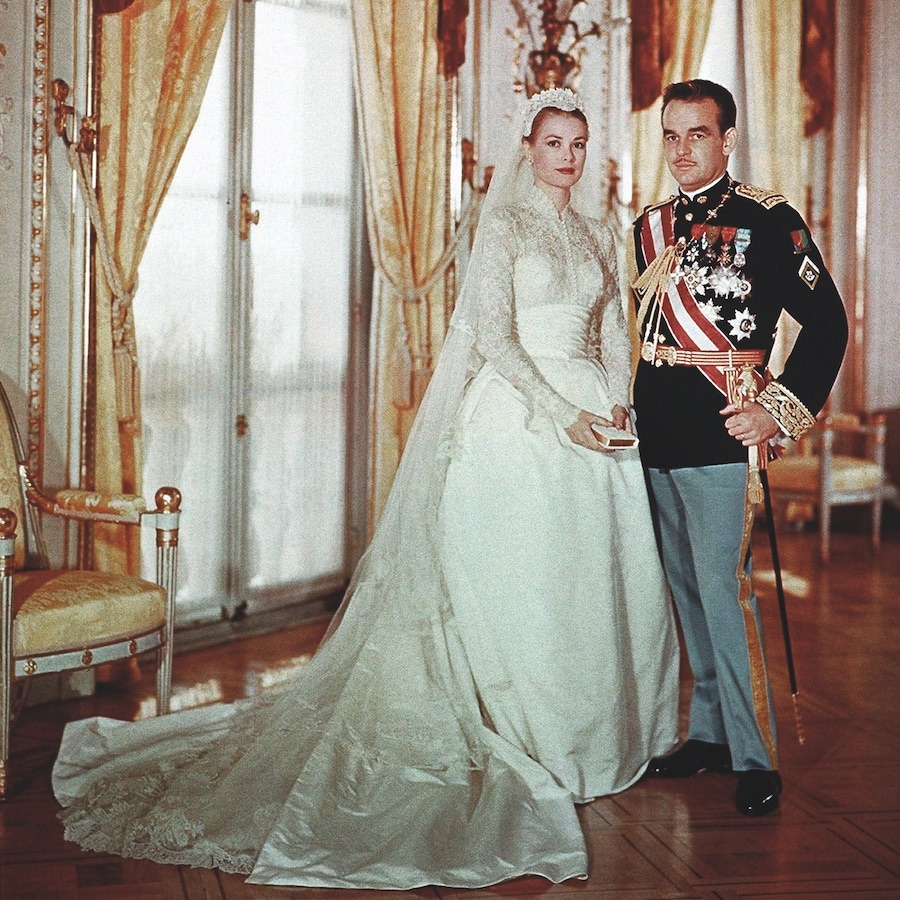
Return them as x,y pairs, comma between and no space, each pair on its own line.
786,409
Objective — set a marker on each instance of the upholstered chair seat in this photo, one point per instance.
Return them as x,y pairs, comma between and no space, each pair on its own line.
57,610
818,476
803,473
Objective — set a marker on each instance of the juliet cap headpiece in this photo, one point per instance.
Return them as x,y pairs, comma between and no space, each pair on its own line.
563,99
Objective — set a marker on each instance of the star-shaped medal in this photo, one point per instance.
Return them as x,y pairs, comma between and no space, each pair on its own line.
743,324
725,282
710,310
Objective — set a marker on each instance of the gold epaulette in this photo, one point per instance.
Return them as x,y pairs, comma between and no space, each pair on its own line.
658,204
764,198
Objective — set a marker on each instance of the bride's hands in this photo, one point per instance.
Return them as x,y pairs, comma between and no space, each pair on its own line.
621,418
580,430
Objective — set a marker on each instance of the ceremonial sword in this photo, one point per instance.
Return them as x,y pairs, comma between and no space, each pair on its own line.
745,390
782,604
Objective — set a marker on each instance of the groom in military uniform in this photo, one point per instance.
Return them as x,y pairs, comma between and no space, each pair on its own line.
717,264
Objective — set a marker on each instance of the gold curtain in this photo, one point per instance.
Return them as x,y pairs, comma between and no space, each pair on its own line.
402,102
651,176
775,117
775,113
155,60
817,62
452,15
653,23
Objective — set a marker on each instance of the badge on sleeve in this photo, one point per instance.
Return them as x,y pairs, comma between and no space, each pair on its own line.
800,239
809,273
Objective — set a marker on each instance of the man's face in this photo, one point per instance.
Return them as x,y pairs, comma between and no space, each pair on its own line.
696,151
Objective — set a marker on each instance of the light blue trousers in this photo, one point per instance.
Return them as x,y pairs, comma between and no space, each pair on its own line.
704,524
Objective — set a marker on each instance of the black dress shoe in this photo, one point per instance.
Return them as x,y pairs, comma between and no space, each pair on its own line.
691,758
757,792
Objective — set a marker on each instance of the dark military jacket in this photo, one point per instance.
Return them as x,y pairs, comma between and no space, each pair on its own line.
753,259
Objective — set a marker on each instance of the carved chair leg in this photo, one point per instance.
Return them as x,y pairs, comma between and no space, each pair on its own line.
168,505
877,508
5,690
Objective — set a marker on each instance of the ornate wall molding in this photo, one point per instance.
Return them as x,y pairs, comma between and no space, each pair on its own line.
7,104
6,108
37,306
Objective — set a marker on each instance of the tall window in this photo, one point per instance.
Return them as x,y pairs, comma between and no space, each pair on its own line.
244,329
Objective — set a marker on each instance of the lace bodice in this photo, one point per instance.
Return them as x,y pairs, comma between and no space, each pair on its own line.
533,258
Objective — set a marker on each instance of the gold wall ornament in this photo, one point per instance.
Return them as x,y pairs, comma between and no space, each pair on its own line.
558,58
62,112
614,205
469,166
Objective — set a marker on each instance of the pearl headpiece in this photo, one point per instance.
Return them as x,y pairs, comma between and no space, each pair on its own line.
563,99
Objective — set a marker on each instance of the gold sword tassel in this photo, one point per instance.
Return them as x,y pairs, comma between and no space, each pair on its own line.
741,385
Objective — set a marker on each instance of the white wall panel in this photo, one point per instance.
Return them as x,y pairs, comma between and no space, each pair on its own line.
882,263
15,102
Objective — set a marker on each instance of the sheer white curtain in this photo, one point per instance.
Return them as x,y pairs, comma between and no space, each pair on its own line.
256,330
298,336
182,325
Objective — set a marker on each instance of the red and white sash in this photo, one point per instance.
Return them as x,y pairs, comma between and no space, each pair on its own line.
687,324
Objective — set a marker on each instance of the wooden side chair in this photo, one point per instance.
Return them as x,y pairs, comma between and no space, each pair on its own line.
821,476
55,620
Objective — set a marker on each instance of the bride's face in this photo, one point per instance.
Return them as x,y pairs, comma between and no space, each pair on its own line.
557,148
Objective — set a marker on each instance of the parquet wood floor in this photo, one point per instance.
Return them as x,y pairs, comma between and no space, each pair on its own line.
837,834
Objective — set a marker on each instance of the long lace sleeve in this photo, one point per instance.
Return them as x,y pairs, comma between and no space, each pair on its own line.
497,339
608,336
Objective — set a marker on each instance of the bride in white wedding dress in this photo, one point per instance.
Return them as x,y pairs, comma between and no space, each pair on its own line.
506,648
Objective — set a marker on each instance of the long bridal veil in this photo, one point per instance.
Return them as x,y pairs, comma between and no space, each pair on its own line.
375,767
404,548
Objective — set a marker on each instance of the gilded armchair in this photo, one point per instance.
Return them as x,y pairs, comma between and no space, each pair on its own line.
820,475
60,620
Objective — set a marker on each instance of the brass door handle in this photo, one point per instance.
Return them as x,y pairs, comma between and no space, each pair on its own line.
248,217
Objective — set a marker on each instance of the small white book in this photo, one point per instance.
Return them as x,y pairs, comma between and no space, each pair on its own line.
613,438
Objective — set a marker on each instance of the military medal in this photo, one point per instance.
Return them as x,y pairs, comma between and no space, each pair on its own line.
727,233
710,310
741,243
743,323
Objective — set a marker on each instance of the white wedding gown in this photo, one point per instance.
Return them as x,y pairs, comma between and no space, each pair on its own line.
444,731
